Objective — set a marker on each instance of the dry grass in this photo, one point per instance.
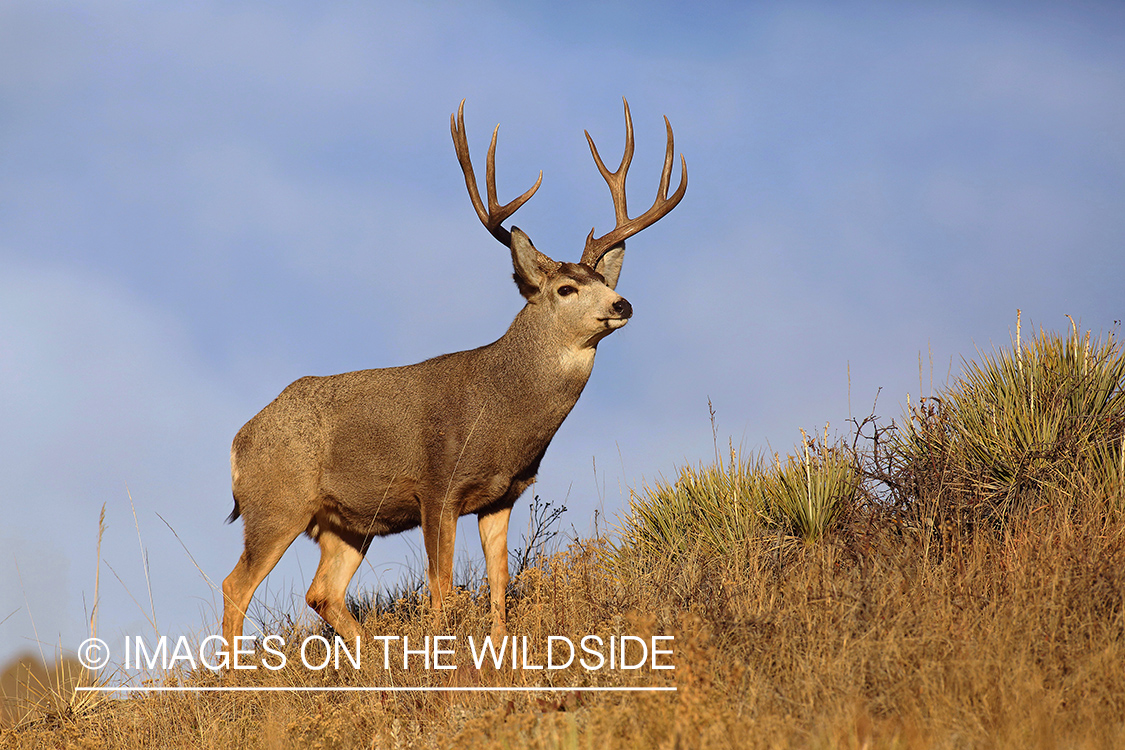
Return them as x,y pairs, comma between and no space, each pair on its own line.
944,601
865,640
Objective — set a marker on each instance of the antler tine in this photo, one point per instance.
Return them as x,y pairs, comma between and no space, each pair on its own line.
494,214
596,247
666,171
616,180
461,146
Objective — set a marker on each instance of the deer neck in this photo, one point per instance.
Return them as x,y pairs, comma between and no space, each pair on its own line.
546,366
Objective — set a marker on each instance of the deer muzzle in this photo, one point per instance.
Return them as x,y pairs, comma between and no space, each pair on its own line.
622,311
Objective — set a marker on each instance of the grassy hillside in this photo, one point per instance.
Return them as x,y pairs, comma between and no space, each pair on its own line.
952,578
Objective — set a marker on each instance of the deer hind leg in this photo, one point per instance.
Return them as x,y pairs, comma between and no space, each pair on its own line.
494,539
258,558
340,557
439,531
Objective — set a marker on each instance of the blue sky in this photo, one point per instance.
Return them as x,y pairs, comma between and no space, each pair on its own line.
201,203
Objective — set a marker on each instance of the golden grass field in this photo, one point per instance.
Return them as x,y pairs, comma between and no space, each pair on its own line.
931,610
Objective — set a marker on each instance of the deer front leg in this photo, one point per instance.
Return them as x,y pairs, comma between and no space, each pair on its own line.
439,531
494,539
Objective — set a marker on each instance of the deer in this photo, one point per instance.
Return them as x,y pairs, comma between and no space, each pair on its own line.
346,458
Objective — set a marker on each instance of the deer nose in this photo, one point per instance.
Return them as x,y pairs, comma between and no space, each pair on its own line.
623,308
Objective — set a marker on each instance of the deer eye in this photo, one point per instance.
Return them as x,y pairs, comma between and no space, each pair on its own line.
565,291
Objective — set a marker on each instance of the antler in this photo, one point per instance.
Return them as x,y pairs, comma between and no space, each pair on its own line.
495,214
596,247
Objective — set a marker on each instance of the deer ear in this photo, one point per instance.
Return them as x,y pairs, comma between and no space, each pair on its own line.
609,265
529,275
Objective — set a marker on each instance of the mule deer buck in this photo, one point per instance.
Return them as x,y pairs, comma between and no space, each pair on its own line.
348,457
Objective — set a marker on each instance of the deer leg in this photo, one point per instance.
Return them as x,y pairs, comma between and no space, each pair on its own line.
439,531
253,566
494,539
339,560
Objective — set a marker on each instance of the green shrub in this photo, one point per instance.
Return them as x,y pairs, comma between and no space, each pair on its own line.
811,493
720,507
1040,422
725,507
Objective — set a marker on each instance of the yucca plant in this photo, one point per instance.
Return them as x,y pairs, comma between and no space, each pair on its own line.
1043,419
811,492
727,506
718,506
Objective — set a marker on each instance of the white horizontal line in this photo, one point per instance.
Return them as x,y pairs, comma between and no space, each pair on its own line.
302,689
